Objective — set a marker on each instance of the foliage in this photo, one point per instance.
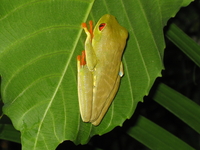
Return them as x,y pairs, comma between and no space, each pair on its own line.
39,44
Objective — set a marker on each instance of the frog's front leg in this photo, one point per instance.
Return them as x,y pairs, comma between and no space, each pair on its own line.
121,70
85,88
91,58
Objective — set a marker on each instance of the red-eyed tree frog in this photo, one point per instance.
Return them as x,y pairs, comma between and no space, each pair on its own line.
100,67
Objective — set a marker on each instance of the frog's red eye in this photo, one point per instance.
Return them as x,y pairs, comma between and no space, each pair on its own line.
101,26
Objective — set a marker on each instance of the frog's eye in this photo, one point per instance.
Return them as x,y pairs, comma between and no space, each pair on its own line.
101,26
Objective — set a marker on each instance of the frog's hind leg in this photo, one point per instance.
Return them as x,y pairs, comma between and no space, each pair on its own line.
85,88
108,102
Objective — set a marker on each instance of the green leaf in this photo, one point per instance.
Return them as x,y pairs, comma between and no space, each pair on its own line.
185,43
8,132
39,42
179,105
155,137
